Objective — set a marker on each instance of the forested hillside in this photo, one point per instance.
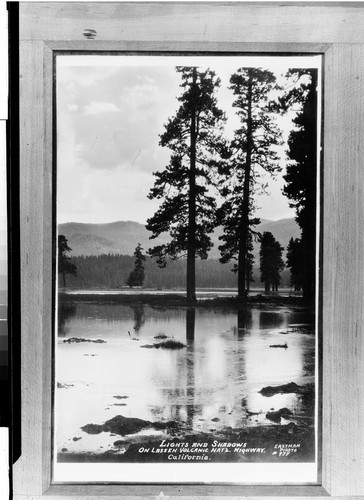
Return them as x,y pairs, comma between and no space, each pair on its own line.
111,271
103,253
123,236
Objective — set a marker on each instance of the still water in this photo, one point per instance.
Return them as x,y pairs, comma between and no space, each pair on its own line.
211,383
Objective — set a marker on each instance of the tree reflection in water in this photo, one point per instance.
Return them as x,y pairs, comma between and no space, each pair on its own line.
244,320
66,310
212,383
139,319
190,361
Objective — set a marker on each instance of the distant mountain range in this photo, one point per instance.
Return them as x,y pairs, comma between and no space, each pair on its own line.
122,237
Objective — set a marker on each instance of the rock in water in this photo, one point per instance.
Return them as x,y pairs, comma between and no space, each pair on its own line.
280,389
123,425
275,416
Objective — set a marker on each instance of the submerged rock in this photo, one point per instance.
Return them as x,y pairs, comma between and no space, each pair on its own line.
121,446
171,344
251,413
167,344
119,442
123,425
63,386
161,336
282,346
92,428
275,416
280,389
77,340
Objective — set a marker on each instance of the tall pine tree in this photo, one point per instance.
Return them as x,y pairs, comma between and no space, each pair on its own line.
294,263
65,264
188,209
252,152
137,275
271,262
301,176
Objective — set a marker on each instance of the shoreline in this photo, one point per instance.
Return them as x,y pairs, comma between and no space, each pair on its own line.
178,300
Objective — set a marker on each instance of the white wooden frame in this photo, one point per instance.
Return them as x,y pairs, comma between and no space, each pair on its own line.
332,29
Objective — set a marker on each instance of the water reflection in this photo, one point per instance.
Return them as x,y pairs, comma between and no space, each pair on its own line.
139,319
272,319
65,312
190,365
190,324
244,320
211,383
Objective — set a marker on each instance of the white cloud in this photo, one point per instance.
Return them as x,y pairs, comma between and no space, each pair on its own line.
109,120
72,107
83,76
95,108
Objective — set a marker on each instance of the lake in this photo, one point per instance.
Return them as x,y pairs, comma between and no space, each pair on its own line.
211,383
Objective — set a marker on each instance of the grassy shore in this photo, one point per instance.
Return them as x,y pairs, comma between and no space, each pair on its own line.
178,300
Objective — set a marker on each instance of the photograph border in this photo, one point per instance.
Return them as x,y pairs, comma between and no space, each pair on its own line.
49,27
78,467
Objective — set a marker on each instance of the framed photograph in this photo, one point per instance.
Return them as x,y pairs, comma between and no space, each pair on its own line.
189,213
186,370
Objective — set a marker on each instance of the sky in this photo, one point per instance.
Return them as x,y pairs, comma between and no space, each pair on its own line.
110,112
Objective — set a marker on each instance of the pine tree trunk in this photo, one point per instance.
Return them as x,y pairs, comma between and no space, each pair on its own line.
191,240
244,224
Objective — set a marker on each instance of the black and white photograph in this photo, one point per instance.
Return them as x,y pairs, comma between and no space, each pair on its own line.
182,289
187,266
